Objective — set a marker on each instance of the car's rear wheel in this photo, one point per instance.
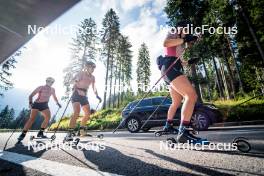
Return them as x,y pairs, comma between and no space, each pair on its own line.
133,125
200,121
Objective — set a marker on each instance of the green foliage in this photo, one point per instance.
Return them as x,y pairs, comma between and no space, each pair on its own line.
6,117
234,111
5,72
104,119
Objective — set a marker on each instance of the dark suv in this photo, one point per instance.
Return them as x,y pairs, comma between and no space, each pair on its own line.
203,116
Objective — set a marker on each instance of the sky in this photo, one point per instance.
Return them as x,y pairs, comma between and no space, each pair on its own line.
48,53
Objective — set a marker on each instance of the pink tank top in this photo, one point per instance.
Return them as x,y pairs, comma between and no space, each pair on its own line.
175,50
44,93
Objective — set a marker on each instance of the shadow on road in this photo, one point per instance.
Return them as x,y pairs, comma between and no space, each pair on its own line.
113,161
8,168
198,168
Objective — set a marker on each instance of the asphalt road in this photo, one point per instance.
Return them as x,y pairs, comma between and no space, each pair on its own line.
124,153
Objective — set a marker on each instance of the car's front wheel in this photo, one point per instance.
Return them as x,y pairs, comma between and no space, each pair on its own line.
133,125
200,121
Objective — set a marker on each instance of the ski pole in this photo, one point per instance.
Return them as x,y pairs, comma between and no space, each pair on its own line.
54,116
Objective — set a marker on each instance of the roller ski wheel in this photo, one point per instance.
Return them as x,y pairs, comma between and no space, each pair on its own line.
100,136
171,142
53,137
162,132
31,138
242,144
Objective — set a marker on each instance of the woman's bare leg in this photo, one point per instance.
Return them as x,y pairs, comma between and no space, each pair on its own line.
176,101
183,86
76,113
31,119
46,115
86,110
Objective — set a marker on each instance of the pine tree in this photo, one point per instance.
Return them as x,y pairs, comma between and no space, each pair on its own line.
6,117
83,49
110,34
5,72
143,67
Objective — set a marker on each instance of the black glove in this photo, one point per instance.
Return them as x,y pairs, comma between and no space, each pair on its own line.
59,105
100,100
193,60
190,38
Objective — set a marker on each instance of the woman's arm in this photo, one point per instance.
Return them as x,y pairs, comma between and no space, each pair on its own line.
55,97
173,42
33,94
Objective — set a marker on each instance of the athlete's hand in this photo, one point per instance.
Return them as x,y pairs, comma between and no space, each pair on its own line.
59,105
99,98
190,38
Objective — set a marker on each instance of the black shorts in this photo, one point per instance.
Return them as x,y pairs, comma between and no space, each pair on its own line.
83,100
40,106
174,72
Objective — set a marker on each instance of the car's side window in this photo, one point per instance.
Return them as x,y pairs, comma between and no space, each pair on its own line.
145,103
156,101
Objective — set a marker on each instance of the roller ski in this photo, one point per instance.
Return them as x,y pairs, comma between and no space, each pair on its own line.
185,136
82,132
41,137
71,138
169,129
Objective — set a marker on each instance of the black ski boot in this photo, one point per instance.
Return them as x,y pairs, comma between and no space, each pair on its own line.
184,136
167,129
41,134
21,137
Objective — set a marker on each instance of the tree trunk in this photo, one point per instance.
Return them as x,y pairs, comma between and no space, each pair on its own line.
207,77
119,86
196,85
218,79
111,79
229,73
222,70
241,87
114,97
106,78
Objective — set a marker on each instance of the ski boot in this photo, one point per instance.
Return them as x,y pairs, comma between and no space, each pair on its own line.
41,135
21,137
184,136
167,129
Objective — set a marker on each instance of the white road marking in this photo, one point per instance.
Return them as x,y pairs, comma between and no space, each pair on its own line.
49,167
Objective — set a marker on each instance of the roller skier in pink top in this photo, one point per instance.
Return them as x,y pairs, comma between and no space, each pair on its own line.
82,81
40,105
180,87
